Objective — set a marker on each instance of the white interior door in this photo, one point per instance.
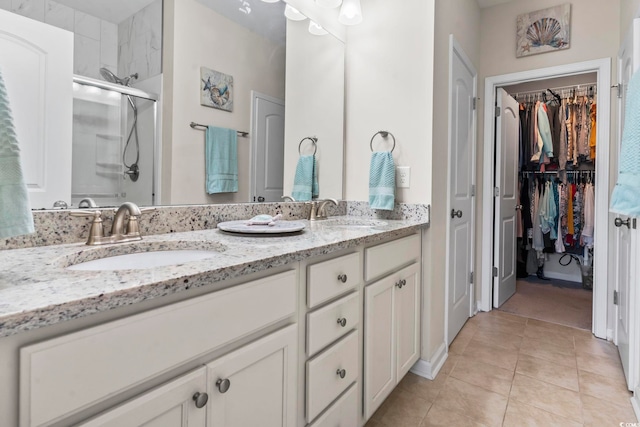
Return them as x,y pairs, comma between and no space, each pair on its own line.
267,130
506,182
620,245
36,61
461,181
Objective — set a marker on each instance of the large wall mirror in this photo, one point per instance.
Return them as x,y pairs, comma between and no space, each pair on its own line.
138,87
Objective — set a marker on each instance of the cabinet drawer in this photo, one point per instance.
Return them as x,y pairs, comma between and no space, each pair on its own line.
325,325
64,375
324,383
343,413
384,258
331,278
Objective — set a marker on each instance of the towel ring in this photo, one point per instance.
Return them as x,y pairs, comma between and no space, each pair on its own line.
384,134
313,140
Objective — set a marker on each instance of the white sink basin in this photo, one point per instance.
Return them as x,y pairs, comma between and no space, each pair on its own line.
353,222
144,260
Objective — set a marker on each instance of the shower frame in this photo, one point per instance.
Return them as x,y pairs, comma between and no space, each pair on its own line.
127,90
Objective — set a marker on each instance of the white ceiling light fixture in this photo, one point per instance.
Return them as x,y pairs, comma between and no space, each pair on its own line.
271,1
329,3
350,13
294,14
316,29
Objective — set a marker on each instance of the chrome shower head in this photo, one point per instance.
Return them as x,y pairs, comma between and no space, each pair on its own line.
112,78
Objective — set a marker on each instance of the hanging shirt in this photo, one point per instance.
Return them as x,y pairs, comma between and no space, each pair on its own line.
538,239
592,132
589,213
537,144
562,146
548,212
545,133
562,205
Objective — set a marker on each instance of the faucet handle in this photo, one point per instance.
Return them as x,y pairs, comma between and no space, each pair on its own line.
146,210
96,232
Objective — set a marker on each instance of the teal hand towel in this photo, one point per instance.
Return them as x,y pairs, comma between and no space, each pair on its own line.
382,181
221,161
625,198
15,213
305,182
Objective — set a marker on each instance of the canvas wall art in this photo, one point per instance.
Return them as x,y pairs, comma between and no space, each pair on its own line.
216,89
545,30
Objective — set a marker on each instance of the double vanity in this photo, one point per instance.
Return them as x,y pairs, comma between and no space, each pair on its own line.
312,328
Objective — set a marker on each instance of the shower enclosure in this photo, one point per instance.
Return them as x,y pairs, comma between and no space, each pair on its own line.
114,142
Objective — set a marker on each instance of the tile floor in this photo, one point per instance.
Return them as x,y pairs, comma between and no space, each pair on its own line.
507,370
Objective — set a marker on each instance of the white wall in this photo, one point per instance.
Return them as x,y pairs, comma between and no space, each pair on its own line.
196,36
628,11
595,34
390,87
140,42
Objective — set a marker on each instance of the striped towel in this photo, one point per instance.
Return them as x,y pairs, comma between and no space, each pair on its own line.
625,199
382,181
15,213
305,182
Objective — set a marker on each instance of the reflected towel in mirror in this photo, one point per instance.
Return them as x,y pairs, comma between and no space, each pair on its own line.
305,182
382,181
15,212
221,160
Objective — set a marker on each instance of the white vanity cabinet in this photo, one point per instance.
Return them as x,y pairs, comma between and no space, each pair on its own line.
391,326
75,372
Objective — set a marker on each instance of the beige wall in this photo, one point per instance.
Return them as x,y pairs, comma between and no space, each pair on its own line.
389,87
595,34
198,36
628,11
462,19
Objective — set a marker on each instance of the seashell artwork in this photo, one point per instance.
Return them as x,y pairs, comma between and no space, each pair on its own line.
544,30
216,89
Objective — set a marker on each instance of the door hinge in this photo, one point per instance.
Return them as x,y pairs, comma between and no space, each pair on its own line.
495,271
473,190
619,87
475,103
496,191
497,111
633,224
615,297
471,277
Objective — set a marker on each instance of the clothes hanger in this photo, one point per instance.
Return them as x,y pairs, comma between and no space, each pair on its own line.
556,96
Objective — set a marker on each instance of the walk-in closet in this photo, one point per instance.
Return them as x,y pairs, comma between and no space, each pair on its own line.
556,199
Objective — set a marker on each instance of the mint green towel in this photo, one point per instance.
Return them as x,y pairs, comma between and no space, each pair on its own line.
15,213
305,182
382,181
221,161
625,198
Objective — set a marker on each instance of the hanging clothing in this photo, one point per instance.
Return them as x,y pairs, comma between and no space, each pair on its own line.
545,134
559,245
538,239
589,215
562,149
592,132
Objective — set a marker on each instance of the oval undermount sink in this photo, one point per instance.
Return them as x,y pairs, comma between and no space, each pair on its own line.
143,260
353,222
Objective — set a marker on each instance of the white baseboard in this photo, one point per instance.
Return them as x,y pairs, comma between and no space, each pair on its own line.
635,403
563,276
429,370
610,335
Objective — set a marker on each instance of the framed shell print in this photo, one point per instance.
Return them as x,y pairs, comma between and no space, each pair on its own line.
543,31
216,89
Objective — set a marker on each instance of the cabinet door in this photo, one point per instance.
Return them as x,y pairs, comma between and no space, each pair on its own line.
255,385
407,319
170,405
379,351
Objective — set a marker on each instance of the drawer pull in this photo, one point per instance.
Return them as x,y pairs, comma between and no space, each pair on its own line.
341,373
223,385
201,399
342,322
342,278
401,283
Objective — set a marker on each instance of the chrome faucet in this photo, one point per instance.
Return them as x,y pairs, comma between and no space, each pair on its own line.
122,230
87,202
318,211
291,199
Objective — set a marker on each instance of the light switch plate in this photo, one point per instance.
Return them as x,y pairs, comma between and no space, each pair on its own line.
403,176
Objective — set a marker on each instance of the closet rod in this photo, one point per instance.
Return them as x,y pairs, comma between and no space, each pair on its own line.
581,86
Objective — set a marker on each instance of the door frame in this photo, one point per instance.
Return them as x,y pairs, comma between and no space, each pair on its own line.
603,69
456,49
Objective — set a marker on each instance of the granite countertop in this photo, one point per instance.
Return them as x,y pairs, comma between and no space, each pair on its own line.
37,290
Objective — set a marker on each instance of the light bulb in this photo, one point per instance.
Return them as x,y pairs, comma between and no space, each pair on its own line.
294,14
350,13
271,1
316,29
329,3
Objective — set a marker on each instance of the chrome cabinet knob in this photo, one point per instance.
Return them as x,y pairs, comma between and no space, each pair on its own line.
342,278
341,373
618,222
342,322
223,385
201,399
456,213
